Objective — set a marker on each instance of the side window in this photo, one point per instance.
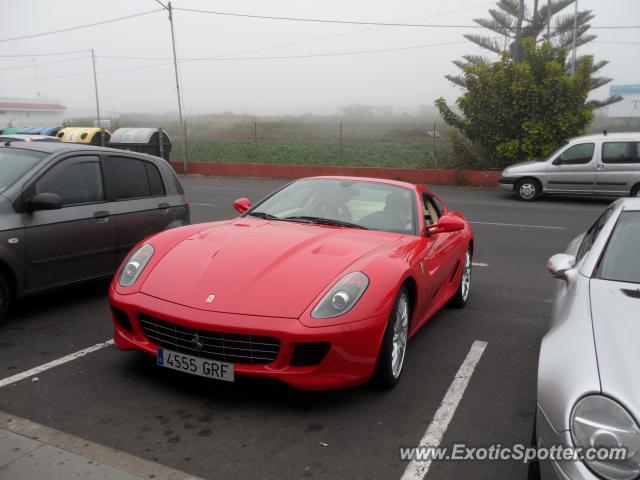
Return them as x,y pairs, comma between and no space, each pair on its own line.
429,210
578,154
76,181
156,187
130,177
620,152
591,236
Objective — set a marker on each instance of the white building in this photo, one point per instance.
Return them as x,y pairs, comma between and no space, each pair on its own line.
28,112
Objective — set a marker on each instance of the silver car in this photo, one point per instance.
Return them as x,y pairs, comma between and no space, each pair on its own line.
588,382
605,164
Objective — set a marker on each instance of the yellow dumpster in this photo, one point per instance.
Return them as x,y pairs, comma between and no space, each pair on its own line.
89,136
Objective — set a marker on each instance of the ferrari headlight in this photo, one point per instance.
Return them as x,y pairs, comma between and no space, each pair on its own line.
135,265
601,424
342,297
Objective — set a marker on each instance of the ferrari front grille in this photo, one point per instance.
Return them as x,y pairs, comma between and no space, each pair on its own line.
224,347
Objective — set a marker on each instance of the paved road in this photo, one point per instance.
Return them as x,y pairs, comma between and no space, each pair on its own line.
261,430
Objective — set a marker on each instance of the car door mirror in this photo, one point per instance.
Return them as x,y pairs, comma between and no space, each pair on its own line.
242,205
559,265
447,223
44,201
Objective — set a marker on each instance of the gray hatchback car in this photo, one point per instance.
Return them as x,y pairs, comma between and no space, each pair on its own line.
70,213
591,165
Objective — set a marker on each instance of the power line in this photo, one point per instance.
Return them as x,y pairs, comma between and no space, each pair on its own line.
78,27
18,55
319,20
223,58
45,63
363,22
205,59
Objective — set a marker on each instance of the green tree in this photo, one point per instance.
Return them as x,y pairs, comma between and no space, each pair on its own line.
518,110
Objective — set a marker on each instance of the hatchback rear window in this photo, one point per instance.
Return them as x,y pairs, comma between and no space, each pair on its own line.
15,163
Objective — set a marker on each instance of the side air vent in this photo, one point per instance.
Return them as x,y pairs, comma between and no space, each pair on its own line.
631,293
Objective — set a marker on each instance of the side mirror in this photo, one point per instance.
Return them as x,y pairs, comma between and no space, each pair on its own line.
447,223
242,205
559,265
44,201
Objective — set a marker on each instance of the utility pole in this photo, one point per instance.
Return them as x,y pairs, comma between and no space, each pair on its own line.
575,39
183,124
35,65
549,20
95,86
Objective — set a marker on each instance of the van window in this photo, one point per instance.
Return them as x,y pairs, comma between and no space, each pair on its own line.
620,152
578,154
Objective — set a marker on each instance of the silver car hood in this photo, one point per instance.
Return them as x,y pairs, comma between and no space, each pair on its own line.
616,329
524,165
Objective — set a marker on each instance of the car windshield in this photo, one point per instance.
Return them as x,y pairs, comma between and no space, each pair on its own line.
348,203
621,261
15,163
555,152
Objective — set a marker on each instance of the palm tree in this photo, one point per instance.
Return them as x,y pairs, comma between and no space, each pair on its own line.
514,21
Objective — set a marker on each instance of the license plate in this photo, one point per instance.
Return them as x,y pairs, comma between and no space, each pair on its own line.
195,365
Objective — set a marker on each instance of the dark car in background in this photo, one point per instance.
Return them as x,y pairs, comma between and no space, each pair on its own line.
71,213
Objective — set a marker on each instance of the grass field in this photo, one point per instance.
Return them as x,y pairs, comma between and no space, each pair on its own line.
313,152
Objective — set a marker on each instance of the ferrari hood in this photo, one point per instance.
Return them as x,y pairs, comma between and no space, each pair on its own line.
616,329
257,267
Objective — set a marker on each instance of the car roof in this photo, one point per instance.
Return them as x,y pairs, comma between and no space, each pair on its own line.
62,147
364,179
609,136
630,204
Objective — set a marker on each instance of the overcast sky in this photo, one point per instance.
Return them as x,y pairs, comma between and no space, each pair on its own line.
404,78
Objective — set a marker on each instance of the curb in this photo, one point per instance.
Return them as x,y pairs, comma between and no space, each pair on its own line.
475,178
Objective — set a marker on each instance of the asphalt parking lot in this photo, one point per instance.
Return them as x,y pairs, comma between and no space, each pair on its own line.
254,429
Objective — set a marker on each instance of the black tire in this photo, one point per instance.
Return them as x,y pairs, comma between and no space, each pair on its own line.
461,297
528,189
635,191
384,377
5,298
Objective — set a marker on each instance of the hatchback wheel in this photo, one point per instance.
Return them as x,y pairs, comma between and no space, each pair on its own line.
5,298
394,343
528,190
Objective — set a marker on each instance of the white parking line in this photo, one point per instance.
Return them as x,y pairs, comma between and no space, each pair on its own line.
418,469
479,264
518,225
60,361
204,204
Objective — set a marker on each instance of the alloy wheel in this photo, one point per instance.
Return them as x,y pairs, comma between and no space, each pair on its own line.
400,334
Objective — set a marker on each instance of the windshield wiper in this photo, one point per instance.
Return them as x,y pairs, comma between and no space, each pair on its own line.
324,221
263,215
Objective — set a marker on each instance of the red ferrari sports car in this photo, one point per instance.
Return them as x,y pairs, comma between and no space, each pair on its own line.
319,285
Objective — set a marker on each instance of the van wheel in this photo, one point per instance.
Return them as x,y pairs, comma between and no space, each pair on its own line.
528,189
5,298
635,191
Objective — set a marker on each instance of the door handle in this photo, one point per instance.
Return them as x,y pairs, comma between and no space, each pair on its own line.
164,207
102,216
599,167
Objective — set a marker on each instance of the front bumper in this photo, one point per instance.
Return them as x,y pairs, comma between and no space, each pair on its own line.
506,183
547,436
350,360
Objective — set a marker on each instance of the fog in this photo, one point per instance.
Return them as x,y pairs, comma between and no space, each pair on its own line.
403,79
